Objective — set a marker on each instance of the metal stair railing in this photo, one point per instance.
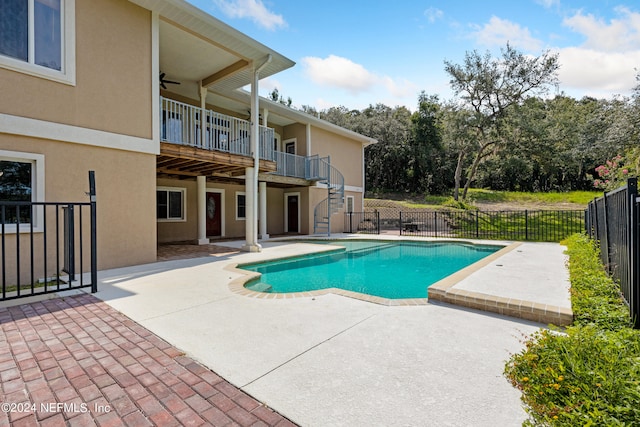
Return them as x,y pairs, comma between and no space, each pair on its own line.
335,194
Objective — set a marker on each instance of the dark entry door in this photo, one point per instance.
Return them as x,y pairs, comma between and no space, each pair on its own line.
292,214
214,214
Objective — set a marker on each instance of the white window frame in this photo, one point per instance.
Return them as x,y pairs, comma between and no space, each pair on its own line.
292,142
67,74
37,187
184,203
350,200
239,218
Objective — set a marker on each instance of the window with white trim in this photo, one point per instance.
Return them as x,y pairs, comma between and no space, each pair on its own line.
241,205
171,204
350,201
21,180
37,37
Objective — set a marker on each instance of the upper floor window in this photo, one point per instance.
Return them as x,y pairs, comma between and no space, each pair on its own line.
37,37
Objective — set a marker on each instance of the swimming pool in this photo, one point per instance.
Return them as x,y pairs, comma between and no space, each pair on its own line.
394,270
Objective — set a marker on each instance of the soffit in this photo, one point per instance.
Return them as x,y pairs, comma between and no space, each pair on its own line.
194,45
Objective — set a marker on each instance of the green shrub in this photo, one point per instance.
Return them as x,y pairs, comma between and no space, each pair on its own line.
450,202
588,375
595,297
584,377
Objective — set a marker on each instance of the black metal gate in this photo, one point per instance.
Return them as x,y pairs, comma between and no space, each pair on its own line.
40,241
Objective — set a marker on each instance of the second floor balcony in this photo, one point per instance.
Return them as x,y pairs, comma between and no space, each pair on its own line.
196,141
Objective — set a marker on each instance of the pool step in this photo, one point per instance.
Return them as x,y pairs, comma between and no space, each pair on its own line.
259,287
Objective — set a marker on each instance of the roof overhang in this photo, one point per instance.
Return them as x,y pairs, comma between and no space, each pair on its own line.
196,47
282,115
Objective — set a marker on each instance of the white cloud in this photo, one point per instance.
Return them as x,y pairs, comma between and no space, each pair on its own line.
338,75
619,35
400,89
252,9
497,32
433,14
336,71
596,73
605,63
548,3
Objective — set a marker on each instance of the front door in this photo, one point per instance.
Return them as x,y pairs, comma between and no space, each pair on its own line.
292,214
214,214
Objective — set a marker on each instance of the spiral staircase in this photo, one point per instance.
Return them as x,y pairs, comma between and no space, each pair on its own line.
334,180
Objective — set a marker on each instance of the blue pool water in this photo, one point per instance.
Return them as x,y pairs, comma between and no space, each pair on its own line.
381,268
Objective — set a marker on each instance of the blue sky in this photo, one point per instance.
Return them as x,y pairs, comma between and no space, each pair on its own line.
359,52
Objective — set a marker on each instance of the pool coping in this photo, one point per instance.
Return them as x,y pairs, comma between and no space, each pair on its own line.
445,291
441,291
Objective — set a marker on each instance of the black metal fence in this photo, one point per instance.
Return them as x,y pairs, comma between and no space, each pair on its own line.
539,225
56,238
362,222
612,220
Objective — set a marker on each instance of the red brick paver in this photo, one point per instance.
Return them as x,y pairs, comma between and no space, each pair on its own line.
78,362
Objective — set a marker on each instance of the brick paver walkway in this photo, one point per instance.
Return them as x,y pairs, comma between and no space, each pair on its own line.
78,362
167,252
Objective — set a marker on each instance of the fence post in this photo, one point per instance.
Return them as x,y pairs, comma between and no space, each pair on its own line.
378,221
94,246
69,242
401,223
526,224
605,246
634,241
435,222
477,225
350,221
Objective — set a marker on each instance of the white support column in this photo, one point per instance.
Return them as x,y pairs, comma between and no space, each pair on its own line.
251,244
308,139
202,210
263,210
251,174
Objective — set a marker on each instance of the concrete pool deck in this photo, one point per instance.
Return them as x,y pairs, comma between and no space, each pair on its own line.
329,360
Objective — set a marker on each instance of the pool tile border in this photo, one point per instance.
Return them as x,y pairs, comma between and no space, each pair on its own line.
443,291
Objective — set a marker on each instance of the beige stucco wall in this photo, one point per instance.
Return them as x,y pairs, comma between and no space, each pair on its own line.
113,74
346,154
299,132
173,231
125,183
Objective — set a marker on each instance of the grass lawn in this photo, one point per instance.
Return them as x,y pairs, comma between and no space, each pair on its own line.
504,198
577,197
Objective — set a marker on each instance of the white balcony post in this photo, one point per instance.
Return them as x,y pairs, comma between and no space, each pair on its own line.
263,210
203,118
202,210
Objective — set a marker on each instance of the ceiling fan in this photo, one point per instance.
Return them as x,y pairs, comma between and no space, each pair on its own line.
164,82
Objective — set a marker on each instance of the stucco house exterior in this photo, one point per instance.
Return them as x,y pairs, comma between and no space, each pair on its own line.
160,99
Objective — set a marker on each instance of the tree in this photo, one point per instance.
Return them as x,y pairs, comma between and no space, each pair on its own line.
458,139
425,146
275,96
489,87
